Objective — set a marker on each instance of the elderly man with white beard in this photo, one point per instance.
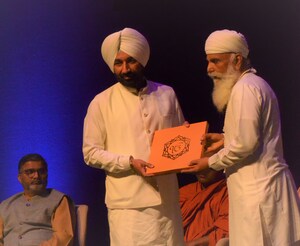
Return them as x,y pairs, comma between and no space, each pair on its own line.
264,208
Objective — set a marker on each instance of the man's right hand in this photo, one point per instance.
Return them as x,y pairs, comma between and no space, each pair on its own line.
140,166
212,142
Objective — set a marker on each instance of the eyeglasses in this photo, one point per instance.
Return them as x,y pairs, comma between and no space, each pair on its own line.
30,172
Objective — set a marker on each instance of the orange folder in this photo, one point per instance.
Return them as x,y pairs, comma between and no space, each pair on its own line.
173,148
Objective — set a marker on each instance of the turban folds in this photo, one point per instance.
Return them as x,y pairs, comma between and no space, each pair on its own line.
129,41
224,41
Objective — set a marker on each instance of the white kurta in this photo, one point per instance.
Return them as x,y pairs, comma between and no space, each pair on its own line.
263,205
120,123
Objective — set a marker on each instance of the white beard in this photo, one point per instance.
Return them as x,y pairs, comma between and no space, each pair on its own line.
223,83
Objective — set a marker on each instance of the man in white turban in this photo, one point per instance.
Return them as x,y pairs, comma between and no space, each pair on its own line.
264,208
118,131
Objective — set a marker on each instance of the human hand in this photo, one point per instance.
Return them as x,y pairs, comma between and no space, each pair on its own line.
197,165
212,142
140,166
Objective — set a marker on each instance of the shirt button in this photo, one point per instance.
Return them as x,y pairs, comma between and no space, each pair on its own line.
27,204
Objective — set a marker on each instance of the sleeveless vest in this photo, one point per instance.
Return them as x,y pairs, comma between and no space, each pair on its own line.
28,223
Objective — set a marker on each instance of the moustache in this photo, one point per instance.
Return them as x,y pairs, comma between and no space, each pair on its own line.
36,182
215,75
127,75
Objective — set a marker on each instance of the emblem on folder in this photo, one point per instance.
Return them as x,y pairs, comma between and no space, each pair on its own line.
176,147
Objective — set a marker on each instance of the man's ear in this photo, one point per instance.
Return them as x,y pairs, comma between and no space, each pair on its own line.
19,178
238,60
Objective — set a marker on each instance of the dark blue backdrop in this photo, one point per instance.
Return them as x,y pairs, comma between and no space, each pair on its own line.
51,68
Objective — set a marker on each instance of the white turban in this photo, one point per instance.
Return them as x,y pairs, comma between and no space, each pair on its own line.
224,41
129,41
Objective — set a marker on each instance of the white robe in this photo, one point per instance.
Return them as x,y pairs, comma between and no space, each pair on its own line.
263,205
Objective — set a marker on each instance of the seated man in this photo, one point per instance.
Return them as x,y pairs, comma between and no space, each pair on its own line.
36,216
204,208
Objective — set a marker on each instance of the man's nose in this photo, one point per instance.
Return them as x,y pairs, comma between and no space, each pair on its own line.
36,174
125,67
210,68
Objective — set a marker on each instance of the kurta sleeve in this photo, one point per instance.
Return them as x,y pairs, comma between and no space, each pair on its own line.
94,137
63,225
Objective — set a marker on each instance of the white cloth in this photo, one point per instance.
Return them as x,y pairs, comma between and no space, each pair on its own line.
263,205
151,226
224,41
129,41
120,123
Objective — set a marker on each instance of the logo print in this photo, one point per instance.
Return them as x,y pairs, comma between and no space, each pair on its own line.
176,147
